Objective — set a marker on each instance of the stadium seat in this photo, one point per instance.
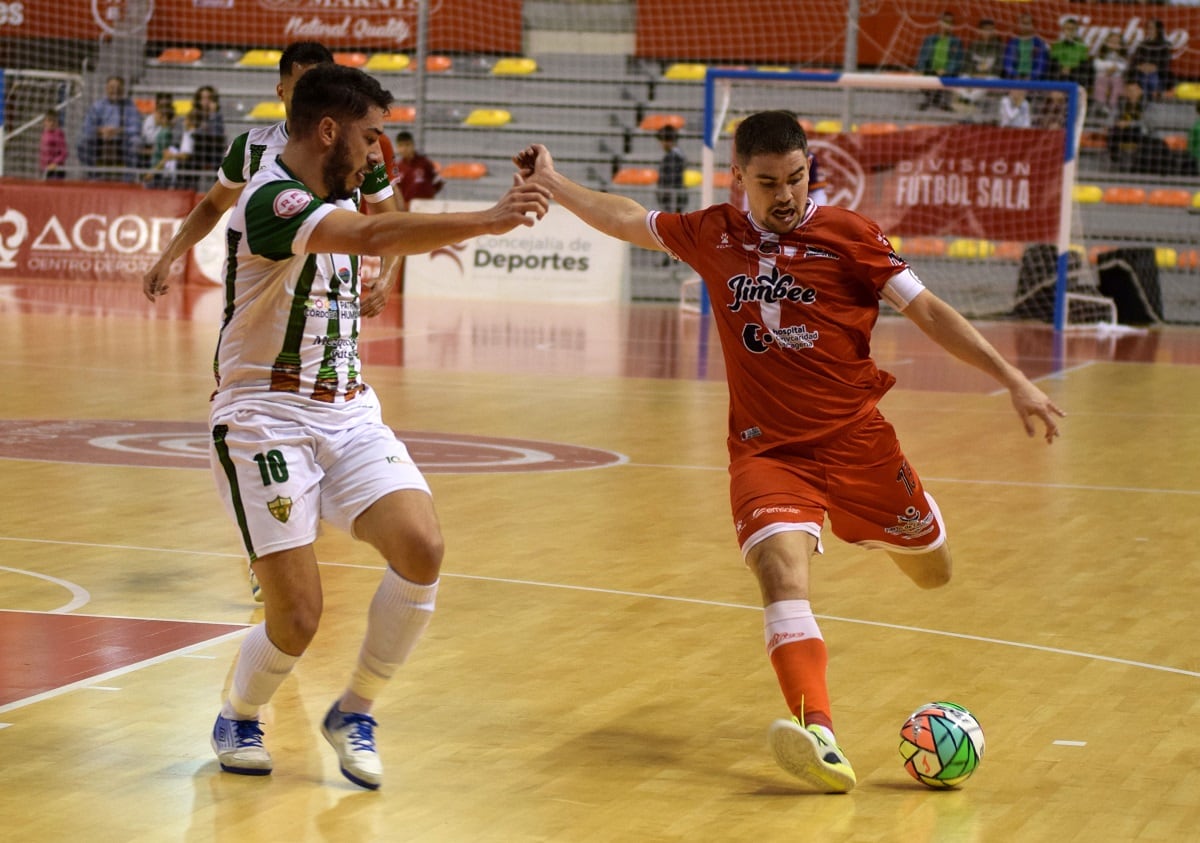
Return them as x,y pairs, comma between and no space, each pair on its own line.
260,58
488,117
723,179
731,125
1010,250
469,170
401,114
1189,259
773,68
350,59
925,247
388,62
272,110
1087,194
692,178
1165,257
144,105
1196,199
1124,196
182,106
1094,141
1176,141
654,122
684,72
877,128
438,64
1187,91
179,55
514,67
827,127
970,249
636,176
1169,197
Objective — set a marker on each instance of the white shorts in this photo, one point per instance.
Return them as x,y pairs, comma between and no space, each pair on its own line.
281,468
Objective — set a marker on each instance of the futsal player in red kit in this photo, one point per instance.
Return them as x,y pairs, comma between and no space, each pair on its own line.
795,289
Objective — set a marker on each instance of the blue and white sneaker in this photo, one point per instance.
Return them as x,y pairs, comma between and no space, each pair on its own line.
353,738
812,755
239,747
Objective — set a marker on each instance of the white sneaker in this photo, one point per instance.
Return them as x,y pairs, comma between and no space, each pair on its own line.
809,755
239,747
353,738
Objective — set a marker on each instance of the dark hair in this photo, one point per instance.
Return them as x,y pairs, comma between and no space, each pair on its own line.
216,98
304,53
668,133
769,133
404,136
332,90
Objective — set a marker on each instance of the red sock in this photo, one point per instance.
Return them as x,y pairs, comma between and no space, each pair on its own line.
798,654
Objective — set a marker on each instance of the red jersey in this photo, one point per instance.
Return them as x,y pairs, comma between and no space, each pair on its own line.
416,178
795,313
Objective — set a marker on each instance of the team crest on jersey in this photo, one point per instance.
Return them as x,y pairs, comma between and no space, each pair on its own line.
724,243
280,509
912,525
291,202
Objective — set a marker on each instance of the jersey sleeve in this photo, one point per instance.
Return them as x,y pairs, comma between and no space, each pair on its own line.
280,216
876,260
677,233
232,170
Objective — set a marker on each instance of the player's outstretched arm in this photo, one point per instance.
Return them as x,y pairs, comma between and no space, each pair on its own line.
202,219
616,216
404,233
949,329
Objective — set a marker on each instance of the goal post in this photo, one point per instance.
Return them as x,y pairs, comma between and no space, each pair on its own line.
966,199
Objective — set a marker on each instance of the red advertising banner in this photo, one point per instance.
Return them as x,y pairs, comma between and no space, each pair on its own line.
967,181
85,231
454,25
813,33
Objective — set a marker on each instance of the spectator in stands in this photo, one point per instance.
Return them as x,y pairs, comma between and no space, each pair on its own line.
1070,59
147,157
1026,55
818,185
1014,110
672,196
162,164
986,52
207,103
941,54
1150,64
413,175
1051,112
1128,128
1110,65
109,138
52,148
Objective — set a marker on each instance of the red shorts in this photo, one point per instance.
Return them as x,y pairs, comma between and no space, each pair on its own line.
873,497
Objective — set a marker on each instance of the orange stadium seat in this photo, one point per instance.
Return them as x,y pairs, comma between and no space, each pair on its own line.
401,114
469,170
1169,197
179,55
1124,196
723,179
1189,259
1094,141
636,176
1010,250
925,247
654,122
350,59
144,105
1177,141
877,128
438,64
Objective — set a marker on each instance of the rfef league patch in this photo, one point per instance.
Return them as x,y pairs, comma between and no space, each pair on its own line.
281,508
291,202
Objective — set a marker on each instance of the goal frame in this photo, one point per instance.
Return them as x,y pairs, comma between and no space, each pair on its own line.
718,90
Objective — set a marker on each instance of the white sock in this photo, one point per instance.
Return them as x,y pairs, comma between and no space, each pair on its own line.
400,611
260,670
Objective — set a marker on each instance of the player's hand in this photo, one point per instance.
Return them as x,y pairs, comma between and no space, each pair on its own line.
154,282
533,160
1030,403
523,199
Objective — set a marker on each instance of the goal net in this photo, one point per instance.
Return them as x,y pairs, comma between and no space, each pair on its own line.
983,211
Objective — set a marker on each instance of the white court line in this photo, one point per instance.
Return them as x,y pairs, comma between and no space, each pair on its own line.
79,595
1070,743
121,671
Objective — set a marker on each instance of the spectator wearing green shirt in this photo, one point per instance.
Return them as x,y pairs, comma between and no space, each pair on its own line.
1026,55
941,54
1192,165
1069,57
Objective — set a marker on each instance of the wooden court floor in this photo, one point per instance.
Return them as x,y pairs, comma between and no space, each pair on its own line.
595,669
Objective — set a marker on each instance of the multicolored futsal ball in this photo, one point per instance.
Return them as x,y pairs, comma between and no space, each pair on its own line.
941,744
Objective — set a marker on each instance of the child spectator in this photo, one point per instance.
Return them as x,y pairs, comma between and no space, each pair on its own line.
1150,64
1110,66
52,149
1014,110
1192,164
413,175
162,166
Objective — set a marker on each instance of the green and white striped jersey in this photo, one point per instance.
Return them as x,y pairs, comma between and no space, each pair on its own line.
291,319
250,150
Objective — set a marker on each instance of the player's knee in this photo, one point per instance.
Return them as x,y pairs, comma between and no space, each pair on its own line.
418,558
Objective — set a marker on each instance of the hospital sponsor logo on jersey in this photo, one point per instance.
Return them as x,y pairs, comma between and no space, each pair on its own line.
770,287
912,524
291,202
793,337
